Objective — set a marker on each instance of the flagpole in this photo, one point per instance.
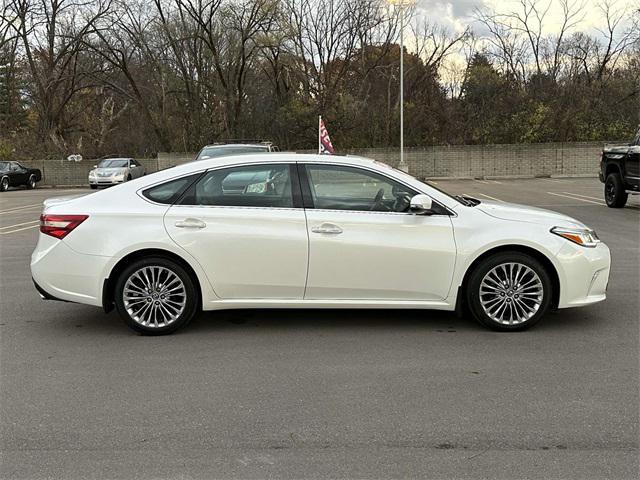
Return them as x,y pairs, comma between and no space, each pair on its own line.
401,5
402,165
319,138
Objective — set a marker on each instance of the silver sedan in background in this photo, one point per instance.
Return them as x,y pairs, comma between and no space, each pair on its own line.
112,171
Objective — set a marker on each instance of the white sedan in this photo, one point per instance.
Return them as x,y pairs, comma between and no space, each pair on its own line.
292,231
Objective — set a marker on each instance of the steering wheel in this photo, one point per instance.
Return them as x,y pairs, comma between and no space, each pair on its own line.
377,201
402,203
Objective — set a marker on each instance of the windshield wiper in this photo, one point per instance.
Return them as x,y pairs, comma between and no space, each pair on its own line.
467,201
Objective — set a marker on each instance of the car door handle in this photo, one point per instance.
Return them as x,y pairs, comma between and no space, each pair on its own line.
327,228
190,223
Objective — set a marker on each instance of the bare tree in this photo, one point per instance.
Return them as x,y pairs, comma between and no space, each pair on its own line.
52,34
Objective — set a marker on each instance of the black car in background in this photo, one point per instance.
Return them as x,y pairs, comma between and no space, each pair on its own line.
620,172
14,174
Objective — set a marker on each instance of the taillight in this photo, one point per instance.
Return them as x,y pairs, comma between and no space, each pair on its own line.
59,226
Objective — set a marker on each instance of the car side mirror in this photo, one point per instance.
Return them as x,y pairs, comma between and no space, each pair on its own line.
421,205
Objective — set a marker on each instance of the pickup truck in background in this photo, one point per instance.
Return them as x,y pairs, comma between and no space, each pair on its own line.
620,172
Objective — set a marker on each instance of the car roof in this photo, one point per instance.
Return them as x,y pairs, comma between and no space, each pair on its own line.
271,157
227,145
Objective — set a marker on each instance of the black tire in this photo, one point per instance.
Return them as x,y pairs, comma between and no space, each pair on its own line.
93,187
31,182
190,294
128,177
473,294
614,193
4,184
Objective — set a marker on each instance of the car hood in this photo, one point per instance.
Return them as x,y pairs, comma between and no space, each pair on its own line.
524,213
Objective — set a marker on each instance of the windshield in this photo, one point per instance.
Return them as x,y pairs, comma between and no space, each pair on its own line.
223,151
408,178
114,163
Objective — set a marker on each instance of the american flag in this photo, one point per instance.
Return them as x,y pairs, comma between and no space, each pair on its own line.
324,142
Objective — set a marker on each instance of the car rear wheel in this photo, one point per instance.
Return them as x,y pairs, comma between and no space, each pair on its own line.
509,291
31,183
614,193
4,184
155,296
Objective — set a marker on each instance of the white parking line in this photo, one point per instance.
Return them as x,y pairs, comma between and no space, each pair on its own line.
583,196
19,230
481,181
18,209
19,224
491,198
576,198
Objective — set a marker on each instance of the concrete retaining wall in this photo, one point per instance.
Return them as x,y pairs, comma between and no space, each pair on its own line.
454,161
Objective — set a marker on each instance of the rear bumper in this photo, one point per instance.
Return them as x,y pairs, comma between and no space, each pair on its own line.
60,273
44,294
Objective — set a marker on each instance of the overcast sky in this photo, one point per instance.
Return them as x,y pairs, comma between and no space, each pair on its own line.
459,13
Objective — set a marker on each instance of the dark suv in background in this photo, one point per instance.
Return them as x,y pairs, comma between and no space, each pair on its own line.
238,148
620,171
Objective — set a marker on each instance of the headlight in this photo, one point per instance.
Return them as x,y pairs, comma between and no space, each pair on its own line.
582,236
92,173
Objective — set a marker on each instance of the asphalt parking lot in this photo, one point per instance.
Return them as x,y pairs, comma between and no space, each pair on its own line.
310,394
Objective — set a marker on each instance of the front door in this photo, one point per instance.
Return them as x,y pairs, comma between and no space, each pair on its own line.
242,225
363,245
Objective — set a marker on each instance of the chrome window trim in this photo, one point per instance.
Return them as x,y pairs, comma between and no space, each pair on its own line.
451,213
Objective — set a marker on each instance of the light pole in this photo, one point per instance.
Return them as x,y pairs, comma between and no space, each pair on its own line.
401,5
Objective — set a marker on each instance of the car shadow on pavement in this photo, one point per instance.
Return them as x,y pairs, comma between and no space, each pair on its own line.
95,322
311,319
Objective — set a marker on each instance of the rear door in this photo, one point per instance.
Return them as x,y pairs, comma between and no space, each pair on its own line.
363,245
246,227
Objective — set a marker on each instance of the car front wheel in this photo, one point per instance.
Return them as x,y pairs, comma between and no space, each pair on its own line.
614,193
155,296
4,184
31,183
509,291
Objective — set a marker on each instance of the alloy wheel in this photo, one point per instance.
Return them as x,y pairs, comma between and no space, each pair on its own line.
511,293
154,296
610,191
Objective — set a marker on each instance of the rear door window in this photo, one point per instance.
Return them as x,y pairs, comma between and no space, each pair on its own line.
246,186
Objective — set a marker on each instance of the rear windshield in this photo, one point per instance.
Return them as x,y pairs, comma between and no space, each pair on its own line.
220,151
114,163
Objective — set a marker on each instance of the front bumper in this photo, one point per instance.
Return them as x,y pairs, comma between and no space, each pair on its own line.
584,274
104,182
